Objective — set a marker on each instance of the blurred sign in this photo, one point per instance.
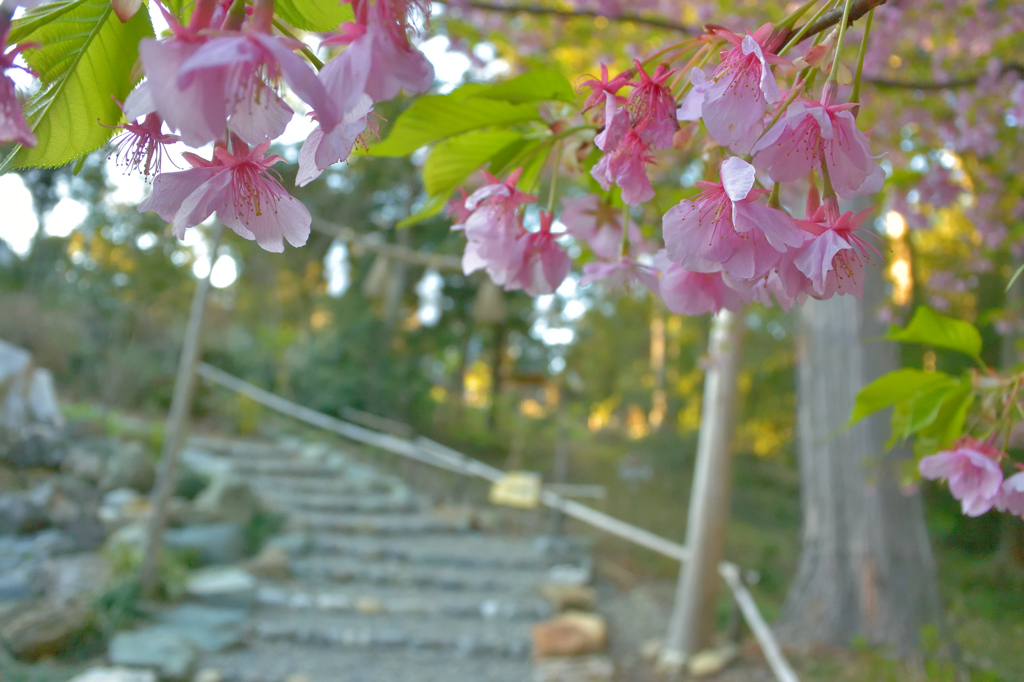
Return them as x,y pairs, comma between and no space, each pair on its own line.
517,489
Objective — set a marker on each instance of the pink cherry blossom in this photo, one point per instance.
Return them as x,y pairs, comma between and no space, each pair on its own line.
619,273
593,221
493,229
696,293
1011,495
379,42
811,131
625,164
243,192
140,147
723,227
652,108
601,87
742,87
972,471
834,256
247,67
13,127
693,103
544,264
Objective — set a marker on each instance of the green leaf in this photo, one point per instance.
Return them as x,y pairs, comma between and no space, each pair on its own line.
1014,278
84,61
438,117
430,209
932,329
895,387
923,409
453,159
534,86
319,16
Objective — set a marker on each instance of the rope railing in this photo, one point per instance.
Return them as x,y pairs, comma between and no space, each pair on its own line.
435,454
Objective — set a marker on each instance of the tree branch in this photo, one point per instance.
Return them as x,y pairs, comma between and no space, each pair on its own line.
965,82
656,22
360,242
834,16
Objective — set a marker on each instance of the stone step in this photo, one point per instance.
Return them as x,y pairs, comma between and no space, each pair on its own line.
389,632
446,578
277,661
364,503
404,600
244,449
288,468
332,485
382,524
469,550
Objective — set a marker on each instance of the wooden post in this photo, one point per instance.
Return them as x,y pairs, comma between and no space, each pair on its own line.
181,403
692,625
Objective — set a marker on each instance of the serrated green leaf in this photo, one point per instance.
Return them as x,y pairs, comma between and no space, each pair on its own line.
533,86
430,209
895,387
932,329
314,15
439,117
453,159
84,62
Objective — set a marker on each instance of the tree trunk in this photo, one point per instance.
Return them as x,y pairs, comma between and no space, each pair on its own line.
692,626
866,568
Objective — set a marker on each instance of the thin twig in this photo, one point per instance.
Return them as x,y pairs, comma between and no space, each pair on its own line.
647,20
965,82
834,16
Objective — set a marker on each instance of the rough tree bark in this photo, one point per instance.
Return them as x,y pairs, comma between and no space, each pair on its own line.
866,568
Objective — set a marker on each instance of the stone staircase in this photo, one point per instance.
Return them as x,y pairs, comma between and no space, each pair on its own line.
383,587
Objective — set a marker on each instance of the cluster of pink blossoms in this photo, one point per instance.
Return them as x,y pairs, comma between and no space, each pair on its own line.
731,243
974,474
13,127
218,80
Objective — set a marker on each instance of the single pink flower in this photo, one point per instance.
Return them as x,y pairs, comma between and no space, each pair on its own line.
723,227
241,189
13,127
140,147
833,257
247,66
379,42
771,289
457,211
652,108
696,293
624,162
593,221
493,229
544,264
601,87
1011,495
617,274
972,470
742,87
811,131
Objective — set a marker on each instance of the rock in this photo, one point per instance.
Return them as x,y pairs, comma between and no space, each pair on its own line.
711,661
20,515
17,585
69,577
271,563
214,543
227,586
132,535
171,655
230,499
570,634
15,374
570,574
368,606
579,669
33,446
44,629
208,675
115,675
208,629
564,597
43,406
298,677
292,544
84,463
123,506
131,466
